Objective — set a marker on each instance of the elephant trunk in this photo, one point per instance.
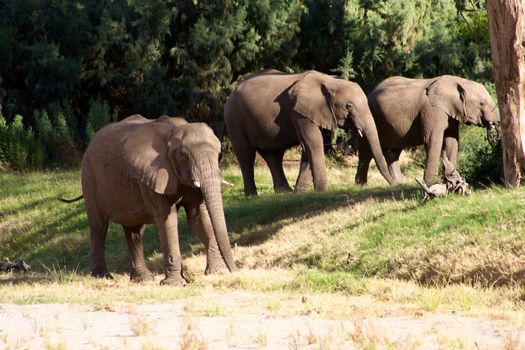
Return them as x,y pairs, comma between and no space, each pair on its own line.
492,131
211,192
370,132
490,119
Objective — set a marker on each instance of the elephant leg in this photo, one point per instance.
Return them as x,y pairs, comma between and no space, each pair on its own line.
305,174
169,240
392,159
275,163
98,229
433,148
200,224
139,271
451,144
311,140
365,156
245,154
164,216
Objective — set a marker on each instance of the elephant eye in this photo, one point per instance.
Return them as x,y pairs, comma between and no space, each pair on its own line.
349,105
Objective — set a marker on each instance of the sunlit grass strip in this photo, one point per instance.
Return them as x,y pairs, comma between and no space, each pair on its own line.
336,240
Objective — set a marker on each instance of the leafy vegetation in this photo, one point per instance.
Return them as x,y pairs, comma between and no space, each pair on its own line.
82,64
479,162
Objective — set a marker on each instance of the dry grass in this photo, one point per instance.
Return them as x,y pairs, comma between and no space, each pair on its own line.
191,339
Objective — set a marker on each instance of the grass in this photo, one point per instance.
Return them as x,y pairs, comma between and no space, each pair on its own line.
457,253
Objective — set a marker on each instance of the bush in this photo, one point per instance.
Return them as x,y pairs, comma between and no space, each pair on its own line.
98,116
55,140
16,144
479,163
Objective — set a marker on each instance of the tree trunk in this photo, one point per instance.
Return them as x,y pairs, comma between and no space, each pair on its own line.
507,42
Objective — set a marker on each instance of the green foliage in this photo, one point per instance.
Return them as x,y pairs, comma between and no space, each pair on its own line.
55,142
324,35
479,163
90,59
16,142
416,39
225,41
98,116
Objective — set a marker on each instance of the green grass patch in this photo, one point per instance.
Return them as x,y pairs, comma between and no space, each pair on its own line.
346,240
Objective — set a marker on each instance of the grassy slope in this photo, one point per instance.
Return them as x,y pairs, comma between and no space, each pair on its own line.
349,239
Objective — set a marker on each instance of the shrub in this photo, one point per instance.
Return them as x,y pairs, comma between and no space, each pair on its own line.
56,146
479,162
99,115
16,142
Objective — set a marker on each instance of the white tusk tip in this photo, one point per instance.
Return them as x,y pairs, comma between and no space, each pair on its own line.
360,132
196,184
227,184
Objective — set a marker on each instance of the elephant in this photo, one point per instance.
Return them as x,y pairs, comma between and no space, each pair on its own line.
271,111
140,171
413,112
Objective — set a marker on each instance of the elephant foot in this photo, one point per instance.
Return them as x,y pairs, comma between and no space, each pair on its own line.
142,275
214,266
174,281
397,177
249,192
397,182
282,189
360,180
432,180
301,188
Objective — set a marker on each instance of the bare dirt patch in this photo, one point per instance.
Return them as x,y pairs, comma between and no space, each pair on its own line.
186,324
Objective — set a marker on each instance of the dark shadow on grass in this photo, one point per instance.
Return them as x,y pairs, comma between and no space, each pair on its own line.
243,214
28,206
42,245
485,276
23,278
266,213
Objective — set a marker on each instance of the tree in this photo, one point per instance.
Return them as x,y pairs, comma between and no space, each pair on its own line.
507,41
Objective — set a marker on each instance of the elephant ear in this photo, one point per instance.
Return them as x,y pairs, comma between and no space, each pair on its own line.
147,152
311,97
449,95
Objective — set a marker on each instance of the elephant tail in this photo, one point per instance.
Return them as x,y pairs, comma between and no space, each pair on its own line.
70,200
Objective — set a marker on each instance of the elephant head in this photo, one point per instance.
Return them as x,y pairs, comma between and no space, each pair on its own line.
177,155
466,101
331,102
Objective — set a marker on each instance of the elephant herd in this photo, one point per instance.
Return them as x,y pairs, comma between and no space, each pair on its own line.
140,171
271,111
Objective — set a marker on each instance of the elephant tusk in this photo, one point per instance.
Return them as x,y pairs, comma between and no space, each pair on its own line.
197,184
227,184
360,133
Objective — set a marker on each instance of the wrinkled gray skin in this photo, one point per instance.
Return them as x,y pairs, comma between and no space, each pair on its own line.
140,171
271,111
412,112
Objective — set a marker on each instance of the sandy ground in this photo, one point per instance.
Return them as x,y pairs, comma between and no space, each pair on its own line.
168,326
